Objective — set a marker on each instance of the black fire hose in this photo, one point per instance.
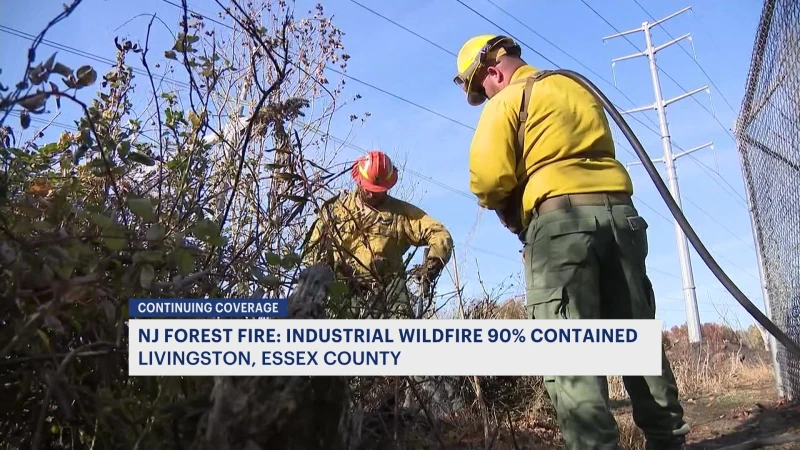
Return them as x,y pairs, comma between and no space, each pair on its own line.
678,214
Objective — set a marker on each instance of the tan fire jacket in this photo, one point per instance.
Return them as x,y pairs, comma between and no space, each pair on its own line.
363,237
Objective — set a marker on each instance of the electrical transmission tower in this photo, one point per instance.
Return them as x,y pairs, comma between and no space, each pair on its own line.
669,159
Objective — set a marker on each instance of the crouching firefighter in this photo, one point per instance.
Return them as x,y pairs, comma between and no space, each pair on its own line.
542,157
363,235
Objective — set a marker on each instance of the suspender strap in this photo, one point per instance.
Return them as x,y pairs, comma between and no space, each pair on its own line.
523,116
523,109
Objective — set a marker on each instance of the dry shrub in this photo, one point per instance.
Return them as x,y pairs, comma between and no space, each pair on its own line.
171,198
630,436
753,337
727,359
713,333
487,308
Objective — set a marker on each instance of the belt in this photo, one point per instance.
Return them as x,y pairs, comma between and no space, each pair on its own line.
594,199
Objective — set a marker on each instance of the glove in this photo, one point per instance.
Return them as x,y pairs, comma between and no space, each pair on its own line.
511,223
509,217
428,270
345,269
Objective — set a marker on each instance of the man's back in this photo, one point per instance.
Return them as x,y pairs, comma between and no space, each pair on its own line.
568,144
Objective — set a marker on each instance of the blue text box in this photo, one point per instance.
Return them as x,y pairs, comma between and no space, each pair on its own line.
207,308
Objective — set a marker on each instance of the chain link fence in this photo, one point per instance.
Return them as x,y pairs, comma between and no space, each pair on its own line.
768,135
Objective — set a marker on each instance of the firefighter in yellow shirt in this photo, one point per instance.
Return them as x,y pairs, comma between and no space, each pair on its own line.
543,159
364,234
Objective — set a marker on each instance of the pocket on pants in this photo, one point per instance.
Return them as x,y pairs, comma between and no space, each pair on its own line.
634,236
561,249
570,241
547,303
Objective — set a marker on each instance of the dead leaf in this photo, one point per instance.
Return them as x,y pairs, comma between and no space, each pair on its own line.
33,102
40,186
62,70
86,75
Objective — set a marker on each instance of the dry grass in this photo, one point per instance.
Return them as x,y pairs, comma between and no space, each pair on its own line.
727,360
630,436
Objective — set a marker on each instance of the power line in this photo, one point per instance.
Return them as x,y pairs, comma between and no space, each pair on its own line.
451,53
447,51
639,200
662,70
350,77
98,58
508,33
505,31
694,58
429,179
719,223
677,277
559,49
712,251
678,84
107,61
78,52
404,28
697,161
412,172
704,167
431,42
744,271
476,249
573,58
653,130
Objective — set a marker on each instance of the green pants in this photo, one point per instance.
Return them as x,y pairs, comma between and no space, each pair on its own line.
588,262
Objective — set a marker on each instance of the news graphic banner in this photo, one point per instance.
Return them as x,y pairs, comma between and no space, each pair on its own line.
204,346
207,307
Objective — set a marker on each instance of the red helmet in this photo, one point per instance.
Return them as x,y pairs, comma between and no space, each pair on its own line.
374,172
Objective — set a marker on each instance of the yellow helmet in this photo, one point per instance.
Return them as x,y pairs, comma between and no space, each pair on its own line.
473,55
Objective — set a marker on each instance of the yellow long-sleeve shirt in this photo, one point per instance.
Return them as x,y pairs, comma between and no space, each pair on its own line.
569,148
362,236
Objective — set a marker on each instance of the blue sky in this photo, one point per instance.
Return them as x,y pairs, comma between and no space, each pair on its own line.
395,60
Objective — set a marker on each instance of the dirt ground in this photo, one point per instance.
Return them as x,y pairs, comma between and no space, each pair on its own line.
745,416
727,390
751,414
